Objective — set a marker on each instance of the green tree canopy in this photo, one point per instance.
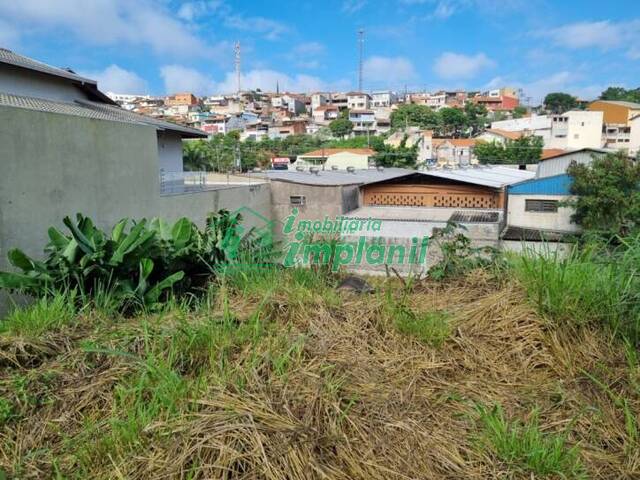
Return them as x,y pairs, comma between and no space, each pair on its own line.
559,102
415,116
453,121
341,127
524,150
619,93
608,195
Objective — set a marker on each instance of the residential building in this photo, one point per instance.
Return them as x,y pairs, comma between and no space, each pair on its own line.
499,136
364,121
325,114
539,125
496,103
339,100
335,158
576,129
536,211
456,99
615,112
287,127
180,99
319,99
384,98
437,100
557,164
358,101
452,152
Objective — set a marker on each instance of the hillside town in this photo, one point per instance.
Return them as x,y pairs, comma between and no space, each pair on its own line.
609,125
359,240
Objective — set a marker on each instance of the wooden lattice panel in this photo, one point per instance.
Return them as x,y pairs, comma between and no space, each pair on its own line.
431,196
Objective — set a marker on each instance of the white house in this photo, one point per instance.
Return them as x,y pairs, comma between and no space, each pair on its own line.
576,129
364,121
358,101
335,158
324,114
499,136
384,98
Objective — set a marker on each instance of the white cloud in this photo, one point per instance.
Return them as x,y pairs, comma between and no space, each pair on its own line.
178,78
563,81
388,71
269,29
452,65
109,22
353,6
118,80
604,34
190,11
266,79
306,55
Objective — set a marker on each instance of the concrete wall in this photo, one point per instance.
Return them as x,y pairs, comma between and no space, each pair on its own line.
319,201
634,138
32,84
170,152
558,221
56,165
559,165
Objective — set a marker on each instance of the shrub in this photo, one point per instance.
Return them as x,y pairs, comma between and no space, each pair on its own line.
139,265
593,284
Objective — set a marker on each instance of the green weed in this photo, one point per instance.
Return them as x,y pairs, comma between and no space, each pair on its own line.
46,314
524,447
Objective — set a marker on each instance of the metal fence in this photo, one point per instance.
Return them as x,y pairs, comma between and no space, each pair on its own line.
183,182
172,183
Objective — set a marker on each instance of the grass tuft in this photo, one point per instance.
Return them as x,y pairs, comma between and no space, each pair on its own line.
523,446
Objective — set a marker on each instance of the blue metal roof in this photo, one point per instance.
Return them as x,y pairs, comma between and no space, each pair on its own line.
556,185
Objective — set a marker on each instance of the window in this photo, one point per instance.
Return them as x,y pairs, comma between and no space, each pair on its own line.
540,205
296,199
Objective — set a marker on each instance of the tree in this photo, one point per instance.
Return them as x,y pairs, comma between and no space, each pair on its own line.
196,155
608,195
412,115
519,111
341,127
453,121
559,102
619,93
524,150
403,156
476,117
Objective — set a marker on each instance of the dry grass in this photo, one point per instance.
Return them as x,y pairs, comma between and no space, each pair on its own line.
319,386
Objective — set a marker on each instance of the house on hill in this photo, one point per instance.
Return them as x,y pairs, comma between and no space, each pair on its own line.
335,158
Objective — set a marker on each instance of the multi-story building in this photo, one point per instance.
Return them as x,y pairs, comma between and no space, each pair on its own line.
619,120
437,100
358,101
364,121
181,99
456,99
325,113
497,103
318,100
384,98
575,129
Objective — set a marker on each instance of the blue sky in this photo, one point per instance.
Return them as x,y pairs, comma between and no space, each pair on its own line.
163,46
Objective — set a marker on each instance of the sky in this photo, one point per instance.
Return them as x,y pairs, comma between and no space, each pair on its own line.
165,46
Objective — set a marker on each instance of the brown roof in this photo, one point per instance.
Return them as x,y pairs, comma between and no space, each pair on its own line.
505,133
322,108
456,142
325,152
551,152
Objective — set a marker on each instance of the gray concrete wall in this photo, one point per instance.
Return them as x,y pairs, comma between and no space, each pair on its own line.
56,165
170,152
319,201
33,84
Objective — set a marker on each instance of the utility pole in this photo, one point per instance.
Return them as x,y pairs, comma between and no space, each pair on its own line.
360,60
237,62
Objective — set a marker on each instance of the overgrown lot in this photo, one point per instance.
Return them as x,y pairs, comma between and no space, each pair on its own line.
276,374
